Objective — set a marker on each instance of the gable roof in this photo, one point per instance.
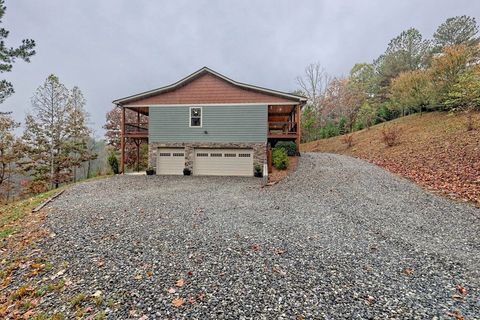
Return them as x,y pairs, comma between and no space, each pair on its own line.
204,71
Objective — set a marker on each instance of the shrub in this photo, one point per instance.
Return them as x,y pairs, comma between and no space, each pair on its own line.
113,162
390,135
289,146
330,130
342,125
280,158
348,140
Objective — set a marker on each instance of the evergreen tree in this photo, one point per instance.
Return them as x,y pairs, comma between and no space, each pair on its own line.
455,31
79,133
8,55
56,134
9,154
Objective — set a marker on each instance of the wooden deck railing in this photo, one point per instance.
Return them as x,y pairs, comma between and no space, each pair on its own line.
136,129
282,128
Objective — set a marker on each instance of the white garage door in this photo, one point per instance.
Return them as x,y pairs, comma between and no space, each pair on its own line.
170,160
223,162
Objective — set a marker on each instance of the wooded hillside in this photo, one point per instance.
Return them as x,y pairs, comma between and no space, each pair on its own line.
432,149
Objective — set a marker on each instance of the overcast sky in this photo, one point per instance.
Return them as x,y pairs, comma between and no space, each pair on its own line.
115,48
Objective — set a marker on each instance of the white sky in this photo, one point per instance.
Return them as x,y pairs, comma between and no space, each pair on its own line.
114,48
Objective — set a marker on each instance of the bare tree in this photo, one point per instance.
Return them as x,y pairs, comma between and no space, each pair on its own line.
314,83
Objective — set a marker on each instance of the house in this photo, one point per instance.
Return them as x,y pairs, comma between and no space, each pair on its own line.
210,124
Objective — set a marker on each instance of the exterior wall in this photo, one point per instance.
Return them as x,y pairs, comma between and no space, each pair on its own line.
259,150
208,88
229,123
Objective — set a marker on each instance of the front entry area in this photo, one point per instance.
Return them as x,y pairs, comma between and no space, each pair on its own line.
223,162
170,161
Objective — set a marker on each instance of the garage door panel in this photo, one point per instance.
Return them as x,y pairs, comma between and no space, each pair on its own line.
223,162
170,161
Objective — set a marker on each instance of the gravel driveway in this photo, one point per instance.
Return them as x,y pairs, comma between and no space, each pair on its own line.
340,238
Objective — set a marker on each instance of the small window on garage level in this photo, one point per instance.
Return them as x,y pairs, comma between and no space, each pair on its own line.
164,154
195,117
244,155
179,154
230,155
202,154
215,154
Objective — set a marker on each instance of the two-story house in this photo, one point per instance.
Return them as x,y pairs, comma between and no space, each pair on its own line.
210,124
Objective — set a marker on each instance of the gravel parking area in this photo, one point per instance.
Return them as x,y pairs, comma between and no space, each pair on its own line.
340,238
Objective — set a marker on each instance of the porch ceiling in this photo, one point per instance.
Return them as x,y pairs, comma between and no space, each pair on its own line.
142,110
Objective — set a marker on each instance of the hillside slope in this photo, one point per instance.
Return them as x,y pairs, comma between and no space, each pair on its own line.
434,150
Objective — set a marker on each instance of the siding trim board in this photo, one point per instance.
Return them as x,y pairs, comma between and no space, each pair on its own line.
209,104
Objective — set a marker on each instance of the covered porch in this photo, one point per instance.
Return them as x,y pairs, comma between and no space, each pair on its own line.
133,131
284,123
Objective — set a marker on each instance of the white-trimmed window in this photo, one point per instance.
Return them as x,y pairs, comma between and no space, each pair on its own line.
195,117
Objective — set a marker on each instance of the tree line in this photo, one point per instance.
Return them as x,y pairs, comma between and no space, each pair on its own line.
56,139
413,75
55,142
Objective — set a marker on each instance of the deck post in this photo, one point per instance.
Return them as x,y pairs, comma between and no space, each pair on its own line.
297,120
122,142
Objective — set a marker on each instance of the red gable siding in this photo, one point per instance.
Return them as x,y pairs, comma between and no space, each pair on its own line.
210,89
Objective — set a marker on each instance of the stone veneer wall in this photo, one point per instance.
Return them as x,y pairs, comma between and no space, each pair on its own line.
259,150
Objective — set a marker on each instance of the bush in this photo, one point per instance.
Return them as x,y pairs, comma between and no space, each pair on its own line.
113,162
330,130
289,146
390,135
342,125
280,158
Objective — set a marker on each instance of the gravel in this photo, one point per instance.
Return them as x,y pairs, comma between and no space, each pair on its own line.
340,238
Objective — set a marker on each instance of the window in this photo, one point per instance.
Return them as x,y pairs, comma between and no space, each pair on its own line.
244,155
202,154
164,154
218,155
179,154
195,117
230,155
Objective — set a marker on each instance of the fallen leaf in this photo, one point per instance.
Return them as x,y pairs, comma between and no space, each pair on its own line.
27,314
150,273
371,299
201,296
180,283
138,277
192,300
256,247
280,251
171,290
463,291
278,270
408,271
190,273
178,302
144,317
455,315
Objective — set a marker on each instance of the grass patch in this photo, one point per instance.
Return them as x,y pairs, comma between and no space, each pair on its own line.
78,300
13,213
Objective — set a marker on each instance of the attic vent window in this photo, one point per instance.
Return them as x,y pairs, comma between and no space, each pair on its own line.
196,117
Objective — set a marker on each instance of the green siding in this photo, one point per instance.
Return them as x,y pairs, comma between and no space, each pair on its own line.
230,123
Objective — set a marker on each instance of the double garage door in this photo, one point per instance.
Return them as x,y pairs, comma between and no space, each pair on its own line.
208,162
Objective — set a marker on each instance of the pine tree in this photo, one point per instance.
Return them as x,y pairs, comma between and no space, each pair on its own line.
9,154
79,133
46,135
8,55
